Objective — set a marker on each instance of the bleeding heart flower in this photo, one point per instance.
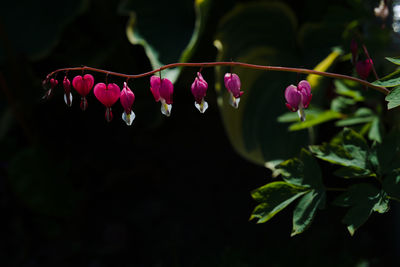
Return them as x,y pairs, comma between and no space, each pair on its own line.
364,68
298,98
199,90
127,98
232,84
67,92
53,83
162,89
83,85
107,95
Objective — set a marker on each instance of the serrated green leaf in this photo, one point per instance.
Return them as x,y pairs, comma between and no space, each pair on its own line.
274,197
305,211
362,199
393,98
394,60
325,116
303,171
348,149
388,83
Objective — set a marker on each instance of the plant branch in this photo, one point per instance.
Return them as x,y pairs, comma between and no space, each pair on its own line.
229,64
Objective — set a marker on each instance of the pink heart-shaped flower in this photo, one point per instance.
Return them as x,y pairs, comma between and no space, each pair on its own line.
84,84
107,94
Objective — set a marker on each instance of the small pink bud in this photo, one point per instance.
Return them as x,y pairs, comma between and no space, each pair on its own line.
127,98
83,85
53,83
364,68
107,95
162,89
67,91
232,84
199,90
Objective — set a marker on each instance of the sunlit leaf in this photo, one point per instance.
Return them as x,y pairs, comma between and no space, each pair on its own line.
342,89
393,97
305,210
394,60
274,197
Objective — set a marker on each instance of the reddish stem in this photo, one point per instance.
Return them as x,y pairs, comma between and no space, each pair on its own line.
229,64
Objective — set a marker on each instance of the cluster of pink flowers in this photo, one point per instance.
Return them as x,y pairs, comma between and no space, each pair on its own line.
161,88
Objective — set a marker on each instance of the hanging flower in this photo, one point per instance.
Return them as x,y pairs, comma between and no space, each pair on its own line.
364,68
199,90
67,92
162,90
83,85
127,98
53,83
107,95
232,84
298,98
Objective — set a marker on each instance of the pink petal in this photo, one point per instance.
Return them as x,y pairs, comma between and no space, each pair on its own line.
84,84
127,98
232,84
293,96
155,87
107,95
166,90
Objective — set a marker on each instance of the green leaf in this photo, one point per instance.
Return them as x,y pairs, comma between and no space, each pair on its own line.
167,37
391,184
348,149
342,89
342,104
393,98
303,171
274,197
362,115
252,128
375,132
305,210
388,83
353,172
325,116
394,60
312,113
362,199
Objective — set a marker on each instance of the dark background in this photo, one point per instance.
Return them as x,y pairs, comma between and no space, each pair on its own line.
78,191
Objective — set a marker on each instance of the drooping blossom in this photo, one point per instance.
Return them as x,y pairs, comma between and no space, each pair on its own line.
232,84
199,90
67,91
83,85
107,95
127,98
364,68
298,98
162,90
53,83
354,51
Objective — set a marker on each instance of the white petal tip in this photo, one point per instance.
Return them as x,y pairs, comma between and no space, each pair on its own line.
128,118
69,103
201,107
166,109
302,114
234,101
